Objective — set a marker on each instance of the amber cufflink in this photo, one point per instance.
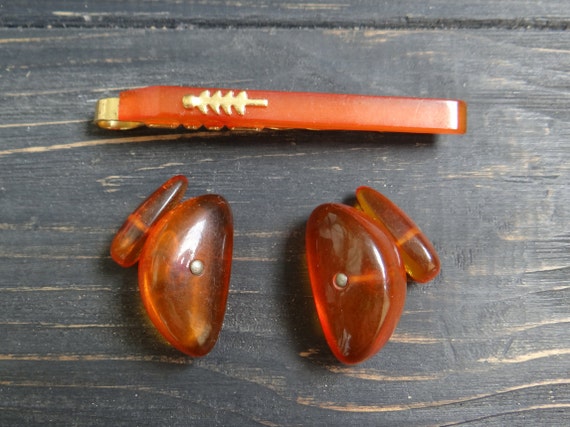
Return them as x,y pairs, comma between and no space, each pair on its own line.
213,108
358,258
184,251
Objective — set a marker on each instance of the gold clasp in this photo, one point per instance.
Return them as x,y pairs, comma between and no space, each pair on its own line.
107,115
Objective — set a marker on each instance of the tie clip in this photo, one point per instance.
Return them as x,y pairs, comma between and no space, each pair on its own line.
193,108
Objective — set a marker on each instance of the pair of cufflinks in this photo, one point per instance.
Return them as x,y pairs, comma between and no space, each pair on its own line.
357,257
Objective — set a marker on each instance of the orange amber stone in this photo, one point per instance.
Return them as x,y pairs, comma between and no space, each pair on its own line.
357,278
129,240
418,254
184,273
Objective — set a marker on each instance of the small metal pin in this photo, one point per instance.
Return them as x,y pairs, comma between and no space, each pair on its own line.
197,267
341,280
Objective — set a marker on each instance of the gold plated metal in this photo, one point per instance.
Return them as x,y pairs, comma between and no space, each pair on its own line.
226,102
107,115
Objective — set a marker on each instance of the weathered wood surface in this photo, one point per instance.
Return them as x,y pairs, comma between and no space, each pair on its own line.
485,344
552,14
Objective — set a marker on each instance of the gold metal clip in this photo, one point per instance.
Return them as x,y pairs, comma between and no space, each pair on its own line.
107,115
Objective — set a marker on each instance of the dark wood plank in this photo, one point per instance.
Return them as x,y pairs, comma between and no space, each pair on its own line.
318,13
485,344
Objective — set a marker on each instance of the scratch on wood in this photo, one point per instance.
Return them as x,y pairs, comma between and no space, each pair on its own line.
349,35
515,411
53,38
261,234
66,326
548,269
88,16
381,35
549,50
163,166
408,339
23,125
12,255
487,172
309,401
255,259
327,168
111,182
59,289
513,269
310,352
412,312
108,141
261,156
421,53
32,226
315,6
267,423
244,292
521,328
527,357
62,90
367,374
182,360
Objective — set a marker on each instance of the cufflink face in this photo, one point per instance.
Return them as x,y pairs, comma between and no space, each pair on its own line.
357,278
357,261
184,263
184,273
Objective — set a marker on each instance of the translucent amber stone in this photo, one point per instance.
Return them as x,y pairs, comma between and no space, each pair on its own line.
418,254
129,240
184,273
357,278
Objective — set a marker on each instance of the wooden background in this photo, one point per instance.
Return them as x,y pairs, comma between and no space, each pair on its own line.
486,343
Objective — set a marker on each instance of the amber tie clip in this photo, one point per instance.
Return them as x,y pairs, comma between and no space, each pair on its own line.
173,106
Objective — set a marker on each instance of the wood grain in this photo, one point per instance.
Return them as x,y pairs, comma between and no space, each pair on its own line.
486,343
407,14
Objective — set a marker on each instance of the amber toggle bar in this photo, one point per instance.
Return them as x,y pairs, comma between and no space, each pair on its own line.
193,108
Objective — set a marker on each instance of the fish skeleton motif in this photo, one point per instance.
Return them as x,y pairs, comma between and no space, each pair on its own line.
218,102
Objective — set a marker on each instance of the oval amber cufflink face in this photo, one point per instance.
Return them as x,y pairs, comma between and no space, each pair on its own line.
357,278
185,253
418,254
184,273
